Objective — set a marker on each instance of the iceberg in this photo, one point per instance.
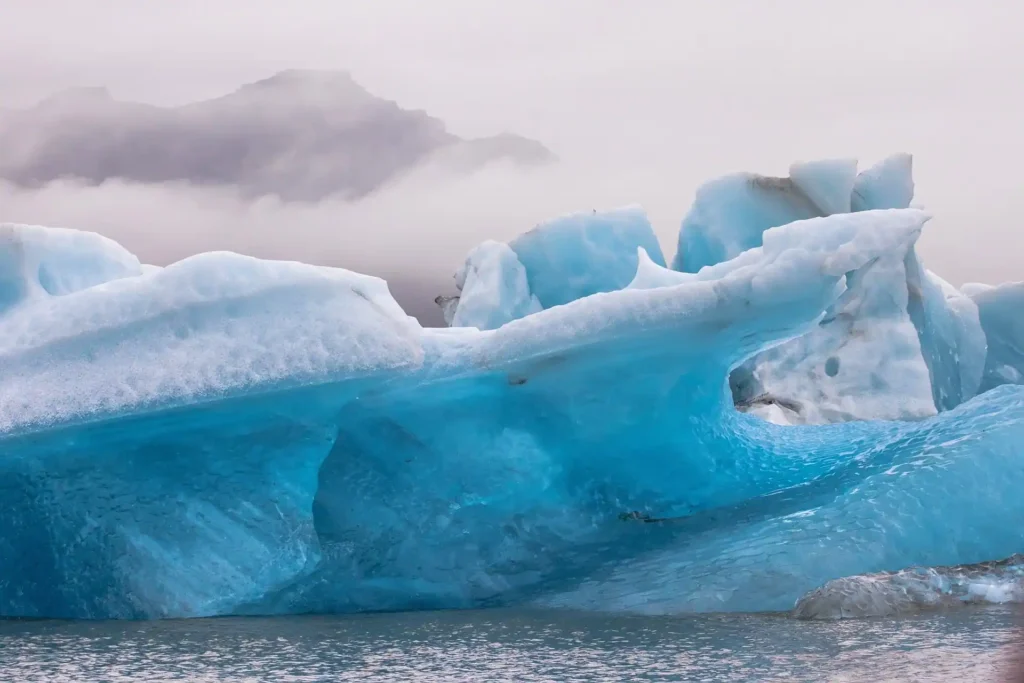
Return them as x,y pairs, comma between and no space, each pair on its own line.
889,184
953,342
577,255
229,436
922,493
902,344
1001,312
493,289
730,214
37,262
162,433
559,261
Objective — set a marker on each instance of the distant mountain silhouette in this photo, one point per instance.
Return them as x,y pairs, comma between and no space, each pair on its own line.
301,135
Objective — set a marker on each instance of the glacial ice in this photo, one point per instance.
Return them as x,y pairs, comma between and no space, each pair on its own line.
828,184
897,326
889,184
896,495
1001,311
38,262
581,254
162,433
559,261
730,214
493,289
953,342
234,436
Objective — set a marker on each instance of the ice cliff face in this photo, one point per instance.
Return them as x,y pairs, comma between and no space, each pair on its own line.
234,436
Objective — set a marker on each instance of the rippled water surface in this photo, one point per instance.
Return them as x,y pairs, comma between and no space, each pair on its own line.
963,645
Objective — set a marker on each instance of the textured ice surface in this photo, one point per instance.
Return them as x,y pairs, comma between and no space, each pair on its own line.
39,262
559,261
730,214
198,330
863,360
233,436
493,287
901,344
914,590
1001,310
581,254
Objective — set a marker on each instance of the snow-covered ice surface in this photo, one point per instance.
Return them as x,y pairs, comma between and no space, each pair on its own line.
234,436
37,261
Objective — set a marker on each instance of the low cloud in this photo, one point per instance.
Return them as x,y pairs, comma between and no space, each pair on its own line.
414,232
642,102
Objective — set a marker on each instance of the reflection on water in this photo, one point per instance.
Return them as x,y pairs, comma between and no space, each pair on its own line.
968,644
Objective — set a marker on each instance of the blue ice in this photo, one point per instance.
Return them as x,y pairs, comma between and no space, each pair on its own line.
1001,310
901,344
730,214
559,261
37,261
493,288
234,436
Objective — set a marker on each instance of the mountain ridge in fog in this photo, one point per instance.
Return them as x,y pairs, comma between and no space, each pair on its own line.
301,135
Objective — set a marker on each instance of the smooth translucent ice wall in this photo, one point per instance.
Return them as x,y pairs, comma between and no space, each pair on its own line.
930,493
953,342
1001,310
889,184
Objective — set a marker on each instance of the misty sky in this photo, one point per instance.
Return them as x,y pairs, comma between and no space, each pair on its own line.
641,101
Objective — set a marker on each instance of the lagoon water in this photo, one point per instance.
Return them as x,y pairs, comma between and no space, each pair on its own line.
971,644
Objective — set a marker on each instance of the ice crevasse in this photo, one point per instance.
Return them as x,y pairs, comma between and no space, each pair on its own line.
234,436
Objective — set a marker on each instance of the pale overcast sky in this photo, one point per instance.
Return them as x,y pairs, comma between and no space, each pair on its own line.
641,100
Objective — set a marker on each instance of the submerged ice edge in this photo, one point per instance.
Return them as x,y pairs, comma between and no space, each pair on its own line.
916,589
